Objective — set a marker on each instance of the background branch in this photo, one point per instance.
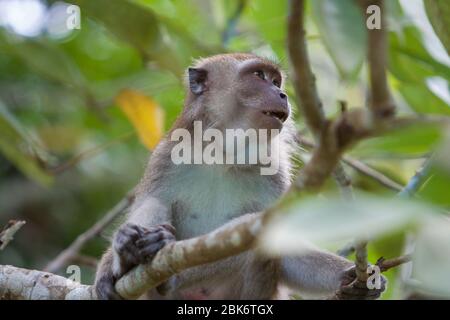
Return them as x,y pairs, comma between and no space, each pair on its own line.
386,264
416,181
230,30
372,173
66,256
359,166
7,234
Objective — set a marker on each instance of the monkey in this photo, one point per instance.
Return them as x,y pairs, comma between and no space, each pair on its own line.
181,201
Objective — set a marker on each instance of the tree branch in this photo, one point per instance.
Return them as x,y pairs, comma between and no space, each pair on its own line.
380,100
386,264
302,77
224,242
359,166
229,240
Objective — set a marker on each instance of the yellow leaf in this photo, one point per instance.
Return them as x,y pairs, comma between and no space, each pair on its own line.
145,114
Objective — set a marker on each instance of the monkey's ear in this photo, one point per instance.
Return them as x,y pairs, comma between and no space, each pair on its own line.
197,80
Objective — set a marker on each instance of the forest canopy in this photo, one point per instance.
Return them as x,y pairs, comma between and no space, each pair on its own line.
89,88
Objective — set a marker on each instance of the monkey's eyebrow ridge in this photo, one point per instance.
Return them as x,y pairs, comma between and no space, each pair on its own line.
259,64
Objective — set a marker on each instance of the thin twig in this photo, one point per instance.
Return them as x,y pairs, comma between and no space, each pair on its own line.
416,181
386,264
372,173
74,248
87,154
7,234
359,166
344,182
230,29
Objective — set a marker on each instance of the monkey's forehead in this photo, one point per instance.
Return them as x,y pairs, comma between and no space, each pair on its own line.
233,59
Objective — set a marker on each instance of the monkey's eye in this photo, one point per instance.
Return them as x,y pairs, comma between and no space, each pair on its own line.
260,74
276,83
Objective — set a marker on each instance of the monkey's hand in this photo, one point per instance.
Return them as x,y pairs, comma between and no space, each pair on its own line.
135,244
352,289
132,245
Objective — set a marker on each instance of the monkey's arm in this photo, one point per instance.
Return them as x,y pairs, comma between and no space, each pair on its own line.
321,273
315,272
137,241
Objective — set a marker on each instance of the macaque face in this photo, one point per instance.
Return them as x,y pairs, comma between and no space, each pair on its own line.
240,93
259,98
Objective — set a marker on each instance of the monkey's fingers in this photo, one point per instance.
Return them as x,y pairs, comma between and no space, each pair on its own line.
151,242
125,236
169,227
154,237
105,289
124,245
148,252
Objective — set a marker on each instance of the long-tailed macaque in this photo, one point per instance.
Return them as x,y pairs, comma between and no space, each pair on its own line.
180,201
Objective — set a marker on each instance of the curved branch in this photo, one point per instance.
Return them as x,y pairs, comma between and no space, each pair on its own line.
19,284
224,242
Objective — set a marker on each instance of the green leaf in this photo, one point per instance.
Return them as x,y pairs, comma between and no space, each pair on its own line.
343,32
435,188
134,24
18,148
409,61
46,59
323,222
422,100
411,141
270,20
438,12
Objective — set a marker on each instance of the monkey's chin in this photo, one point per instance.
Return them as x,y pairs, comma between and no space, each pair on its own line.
271,122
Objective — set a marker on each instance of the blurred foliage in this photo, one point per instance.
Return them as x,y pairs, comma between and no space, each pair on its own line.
145,114
72,101
439,13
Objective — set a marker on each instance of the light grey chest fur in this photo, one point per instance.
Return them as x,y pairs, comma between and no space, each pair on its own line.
204,197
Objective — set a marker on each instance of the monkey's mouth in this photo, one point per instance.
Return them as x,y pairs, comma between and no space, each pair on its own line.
280,115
